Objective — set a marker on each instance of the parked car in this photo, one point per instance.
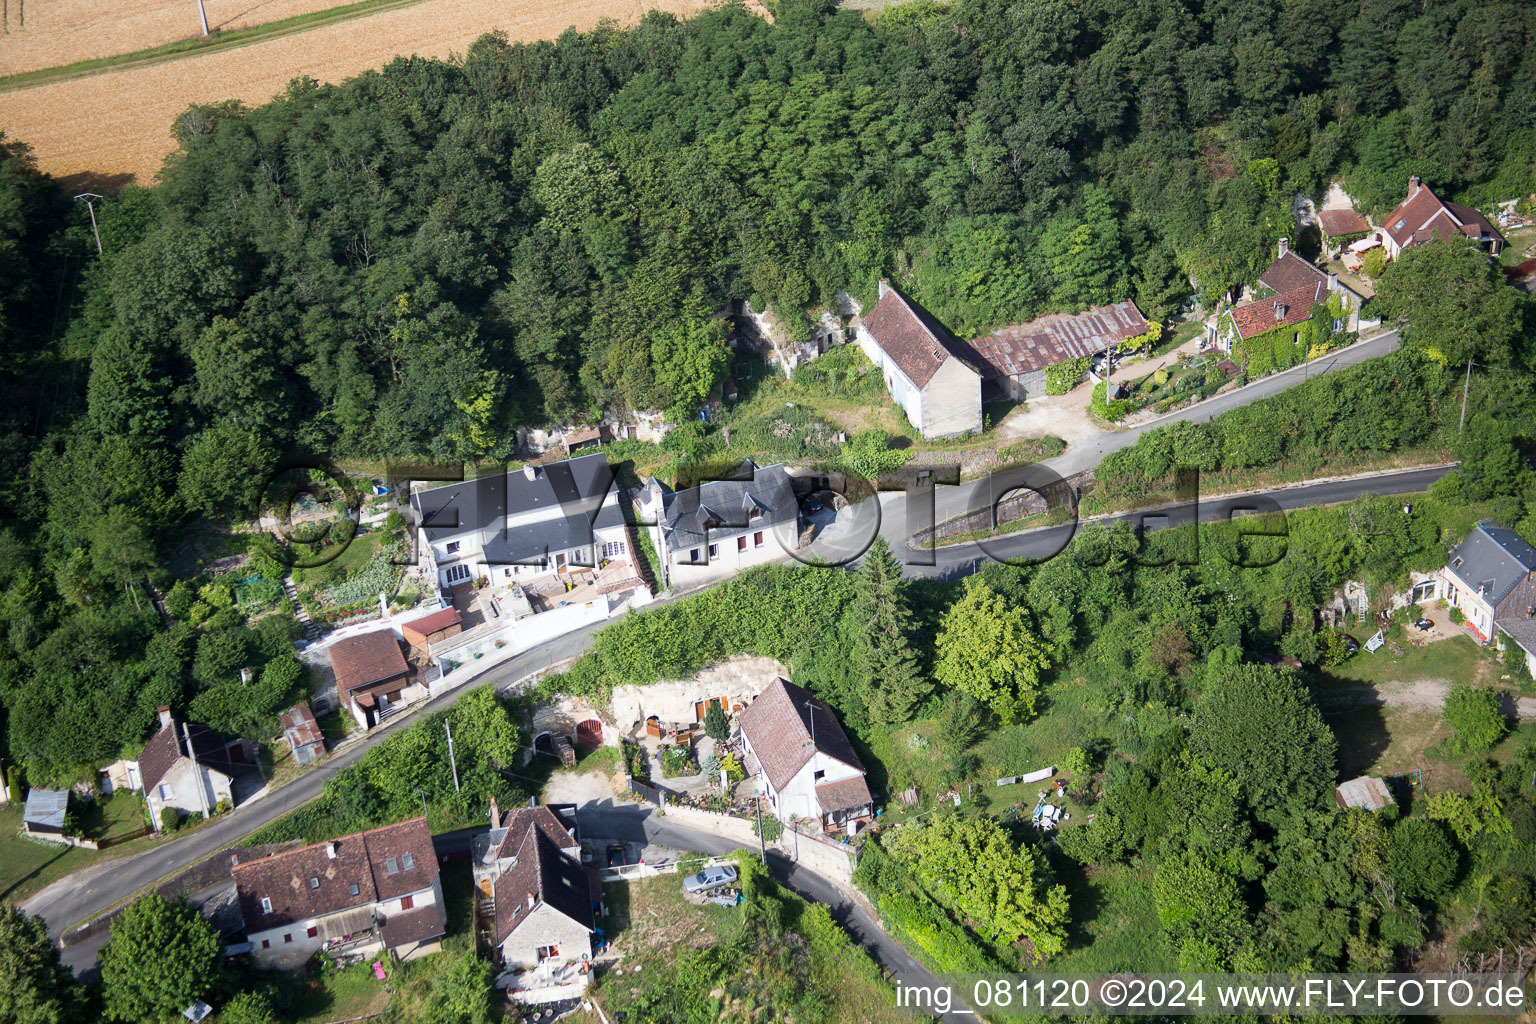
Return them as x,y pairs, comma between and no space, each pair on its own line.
710,878
618,856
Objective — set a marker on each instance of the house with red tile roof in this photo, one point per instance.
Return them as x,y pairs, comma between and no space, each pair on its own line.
926,372
542,899
357,894
1423,217
1284,296
805,764
371,675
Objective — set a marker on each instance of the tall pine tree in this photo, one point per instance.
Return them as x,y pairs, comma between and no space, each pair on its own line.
893,683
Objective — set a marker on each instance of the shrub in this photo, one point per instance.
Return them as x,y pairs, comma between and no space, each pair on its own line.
1476,716
1104,408
925,927
1456,616
169,819
1421,861
770,829
1065,376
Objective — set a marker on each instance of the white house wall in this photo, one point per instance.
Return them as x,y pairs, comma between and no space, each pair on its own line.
545,926
728,560
181,789
951,401
798,797
298,931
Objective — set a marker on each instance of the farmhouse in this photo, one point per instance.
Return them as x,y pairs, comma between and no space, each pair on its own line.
720,527
1287,291
371,675
1423,217
1491,577
925,372
188,768
1013,359
807,766
358,894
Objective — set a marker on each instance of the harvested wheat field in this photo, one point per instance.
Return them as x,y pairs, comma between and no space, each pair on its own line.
51,33
104,129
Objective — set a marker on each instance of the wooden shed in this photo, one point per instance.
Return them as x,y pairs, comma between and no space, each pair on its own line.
422,633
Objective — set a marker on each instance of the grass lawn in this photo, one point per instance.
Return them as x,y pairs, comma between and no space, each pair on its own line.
28,865
357,555
1458,659
1114,924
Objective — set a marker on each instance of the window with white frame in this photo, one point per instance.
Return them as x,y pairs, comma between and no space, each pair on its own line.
266,905
458,573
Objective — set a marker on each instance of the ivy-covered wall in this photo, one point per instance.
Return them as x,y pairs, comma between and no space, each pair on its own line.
1290,344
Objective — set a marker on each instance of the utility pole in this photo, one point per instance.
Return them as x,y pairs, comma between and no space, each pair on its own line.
762,849
202,16
1465,389
423,794
451,760
91,197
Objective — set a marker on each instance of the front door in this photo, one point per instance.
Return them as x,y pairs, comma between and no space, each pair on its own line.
560,561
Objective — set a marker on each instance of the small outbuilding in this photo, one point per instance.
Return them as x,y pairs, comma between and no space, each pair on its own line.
45,812
302,733
422,633
1366,792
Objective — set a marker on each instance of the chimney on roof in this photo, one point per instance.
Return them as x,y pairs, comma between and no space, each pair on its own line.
1333,280
234,857
531,471
1413,185
1279,311
165,715
495,814
885,286
530,901
245,675
1285,246
330,851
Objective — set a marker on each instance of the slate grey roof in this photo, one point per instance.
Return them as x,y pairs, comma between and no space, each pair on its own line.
46,808
1494,559
569,493
729,504
546,874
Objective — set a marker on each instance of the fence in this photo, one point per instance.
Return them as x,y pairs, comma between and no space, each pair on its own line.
1021,504
635,872
658,795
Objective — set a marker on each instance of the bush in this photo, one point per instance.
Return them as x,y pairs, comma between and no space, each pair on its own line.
770,829
677,761
1422,861
1457,617
1065,376
926,928
1101,406
1476,716
169,819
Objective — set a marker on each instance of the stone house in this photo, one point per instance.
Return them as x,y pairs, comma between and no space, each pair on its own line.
522,525
188,767
1491,577
529,864
925,371
1423,217
358,894
1290,287
804,760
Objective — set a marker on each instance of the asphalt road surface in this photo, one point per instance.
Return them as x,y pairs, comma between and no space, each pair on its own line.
637,823
90,893
82,898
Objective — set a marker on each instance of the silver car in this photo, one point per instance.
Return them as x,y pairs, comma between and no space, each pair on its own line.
710,878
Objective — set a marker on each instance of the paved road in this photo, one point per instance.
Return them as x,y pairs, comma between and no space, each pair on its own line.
637,823
1086,454
87,894
1043,543
65,905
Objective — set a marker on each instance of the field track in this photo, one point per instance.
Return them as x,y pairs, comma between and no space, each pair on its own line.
104,129
59,32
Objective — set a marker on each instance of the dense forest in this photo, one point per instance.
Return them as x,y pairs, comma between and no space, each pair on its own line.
419,260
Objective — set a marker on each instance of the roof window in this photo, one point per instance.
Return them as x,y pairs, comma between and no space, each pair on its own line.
314,883
391,866
407,861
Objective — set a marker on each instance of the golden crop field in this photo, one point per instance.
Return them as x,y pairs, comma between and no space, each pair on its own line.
50,33
103,129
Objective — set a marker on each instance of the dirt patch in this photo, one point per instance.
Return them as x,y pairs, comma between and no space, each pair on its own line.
107,127
579,788
1065,416
1414,695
